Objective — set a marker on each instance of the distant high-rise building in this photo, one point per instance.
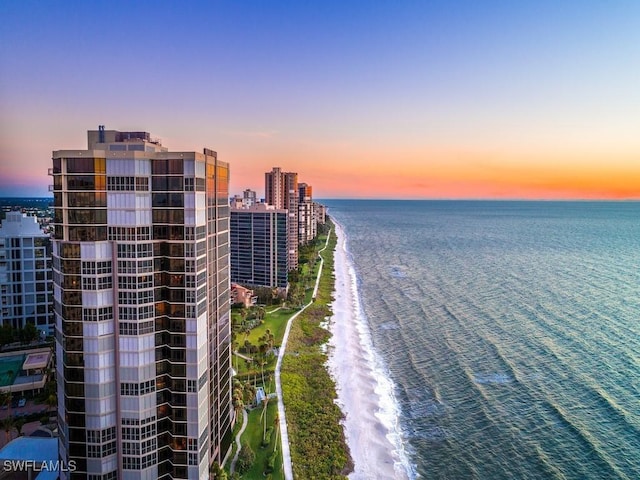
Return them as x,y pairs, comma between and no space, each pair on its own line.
26,288
281,191
321,213
259,246
141,287
307,226
249,197
236,202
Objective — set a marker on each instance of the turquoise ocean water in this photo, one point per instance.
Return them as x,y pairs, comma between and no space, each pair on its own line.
510,331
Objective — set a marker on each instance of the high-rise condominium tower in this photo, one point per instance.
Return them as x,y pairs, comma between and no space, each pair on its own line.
281,191
259,246
26,294
307,224
141,288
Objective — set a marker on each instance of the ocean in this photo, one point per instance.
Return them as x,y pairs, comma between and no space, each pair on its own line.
488,340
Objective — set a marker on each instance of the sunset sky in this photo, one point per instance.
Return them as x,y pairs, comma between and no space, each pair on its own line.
364,99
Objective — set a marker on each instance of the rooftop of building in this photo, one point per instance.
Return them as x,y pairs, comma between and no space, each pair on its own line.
18,224
257,208
98,139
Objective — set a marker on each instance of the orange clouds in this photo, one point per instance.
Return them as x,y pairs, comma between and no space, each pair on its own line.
450,173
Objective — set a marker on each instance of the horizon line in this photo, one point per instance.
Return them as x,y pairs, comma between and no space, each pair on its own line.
430,199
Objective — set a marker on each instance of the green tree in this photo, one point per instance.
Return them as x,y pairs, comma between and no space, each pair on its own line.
249,392
52,402
268,339
19,423
238,397
262,360
260,313
30,332
296,295
276,423
7,426
263,417
8,401
6,335
4,398
50,387
216,472
246,457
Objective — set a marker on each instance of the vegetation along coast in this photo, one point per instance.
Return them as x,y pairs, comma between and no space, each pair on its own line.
317,444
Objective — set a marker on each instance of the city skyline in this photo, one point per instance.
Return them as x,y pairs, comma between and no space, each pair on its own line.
365,99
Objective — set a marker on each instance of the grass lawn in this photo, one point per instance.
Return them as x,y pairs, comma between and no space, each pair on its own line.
253,435
276,322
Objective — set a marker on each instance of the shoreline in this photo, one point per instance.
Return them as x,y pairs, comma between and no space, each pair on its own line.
364,393
317,443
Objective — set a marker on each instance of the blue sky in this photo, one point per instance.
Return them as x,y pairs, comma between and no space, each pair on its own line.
463,99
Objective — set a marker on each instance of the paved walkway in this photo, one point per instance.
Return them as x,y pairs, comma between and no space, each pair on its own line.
244,357
245,419
284,433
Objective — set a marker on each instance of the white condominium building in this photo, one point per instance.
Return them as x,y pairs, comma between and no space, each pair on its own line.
26,290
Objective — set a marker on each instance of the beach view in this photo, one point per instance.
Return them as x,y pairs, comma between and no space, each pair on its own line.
319,240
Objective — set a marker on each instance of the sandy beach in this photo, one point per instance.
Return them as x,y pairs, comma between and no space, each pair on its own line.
365,395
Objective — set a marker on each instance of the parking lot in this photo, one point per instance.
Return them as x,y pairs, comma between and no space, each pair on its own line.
17,411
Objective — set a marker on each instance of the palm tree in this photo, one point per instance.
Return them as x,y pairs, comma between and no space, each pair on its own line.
238,397
51,401
19,423
268,339
246,328
7,425
216,472
262,359
50,386
243,316
249,391
4,398
238,404
276,422
9,401
265,401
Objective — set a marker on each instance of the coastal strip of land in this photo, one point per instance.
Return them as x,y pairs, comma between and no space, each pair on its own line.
318,446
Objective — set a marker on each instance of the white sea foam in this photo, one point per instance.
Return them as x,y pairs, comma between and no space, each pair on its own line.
365,392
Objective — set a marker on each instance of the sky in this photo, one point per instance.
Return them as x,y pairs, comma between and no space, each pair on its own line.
363,99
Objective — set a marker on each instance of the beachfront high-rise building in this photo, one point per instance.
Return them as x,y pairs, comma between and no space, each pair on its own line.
141,287
281,191
26,289
259,246
321,213
307,225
